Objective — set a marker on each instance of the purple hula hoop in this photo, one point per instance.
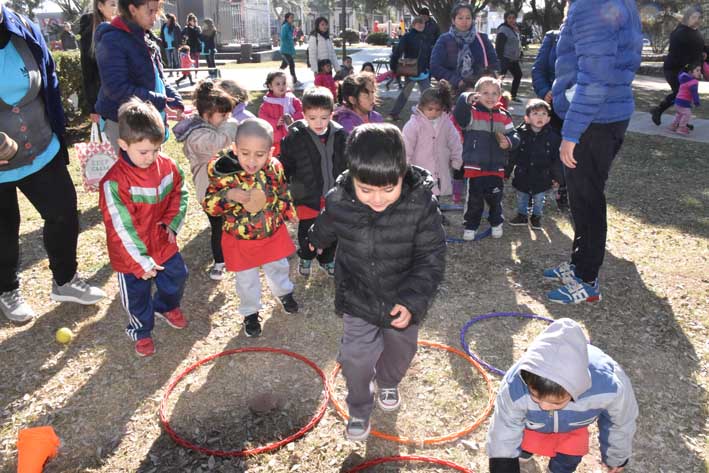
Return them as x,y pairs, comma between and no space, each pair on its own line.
493,315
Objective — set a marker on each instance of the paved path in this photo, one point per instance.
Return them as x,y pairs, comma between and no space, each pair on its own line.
253,78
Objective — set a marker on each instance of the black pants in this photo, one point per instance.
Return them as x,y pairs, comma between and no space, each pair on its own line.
586,184
480,190
289,62
327,255
516,70
672,78
216,224
52,193
211,63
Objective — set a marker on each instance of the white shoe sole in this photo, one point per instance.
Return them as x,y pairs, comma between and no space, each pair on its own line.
19,322
386,408
59,298
158,314
215,277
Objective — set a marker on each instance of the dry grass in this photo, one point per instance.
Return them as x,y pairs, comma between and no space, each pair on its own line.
103,400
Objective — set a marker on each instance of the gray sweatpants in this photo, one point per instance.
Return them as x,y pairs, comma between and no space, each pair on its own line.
368,352
248,284
111,130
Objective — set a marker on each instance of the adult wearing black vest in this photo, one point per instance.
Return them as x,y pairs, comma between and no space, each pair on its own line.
33,160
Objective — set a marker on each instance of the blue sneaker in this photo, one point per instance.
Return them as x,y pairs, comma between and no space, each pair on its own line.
576,291
564,273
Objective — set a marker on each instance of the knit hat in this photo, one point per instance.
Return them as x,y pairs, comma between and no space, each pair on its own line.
8,147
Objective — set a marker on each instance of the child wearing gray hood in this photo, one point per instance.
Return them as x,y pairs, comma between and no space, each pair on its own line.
547,400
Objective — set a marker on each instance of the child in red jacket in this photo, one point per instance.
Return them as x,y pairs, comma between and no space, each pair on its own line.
280,108
324,76
143,200
185,63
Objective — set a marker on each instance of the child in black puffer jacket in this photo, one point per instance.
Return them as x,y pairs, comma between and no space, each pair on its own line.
390,261
536,162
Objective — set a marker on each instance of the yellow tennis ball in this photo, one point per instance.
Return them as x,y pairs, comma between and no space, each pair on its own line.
64,335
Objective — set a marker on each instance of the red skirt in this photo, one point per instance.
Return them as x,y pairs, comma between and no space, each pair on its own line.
548,445
306,213
240,255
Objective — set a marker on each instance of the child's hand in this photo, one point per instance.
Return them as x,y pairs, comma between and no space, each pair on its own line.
238,195
614,469
502,140
554,184
171,237
403,316
287,119
472,98
280,122
312,248
152,273
548,97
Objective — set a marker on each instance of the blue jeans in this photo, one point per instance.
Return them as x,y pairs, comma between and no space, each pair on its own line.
562,463
523,202
403,96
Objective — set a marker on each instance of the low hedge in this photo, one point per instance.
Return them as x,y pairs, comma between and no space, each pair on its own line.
379,39
68,66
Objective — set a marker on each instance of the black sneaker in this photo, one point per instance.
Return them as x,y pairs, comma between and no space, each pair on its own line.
289,304
690,126
525,456
562,200
252,325
655,114
536,222
519,220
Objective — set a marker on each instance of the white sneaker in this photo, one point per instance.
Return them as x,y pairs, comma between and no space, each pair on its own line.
15,308
216,273
77,290
497,231
468,235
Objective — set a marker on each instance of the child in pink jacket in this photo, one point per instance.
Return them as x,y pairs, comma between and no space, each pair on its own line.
432,140
280,108
687,95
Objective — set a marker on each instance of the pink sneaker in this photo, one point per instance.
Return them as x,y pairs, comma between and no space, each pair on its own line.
145,347
174,318
683,130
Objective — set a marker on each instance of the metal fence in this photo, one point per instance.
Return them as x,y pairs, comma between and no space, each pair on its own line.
246,21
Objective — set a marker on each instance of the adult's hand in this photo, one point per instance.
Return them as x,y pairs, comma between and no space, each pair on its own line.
95,117
548,97
566,153
2,163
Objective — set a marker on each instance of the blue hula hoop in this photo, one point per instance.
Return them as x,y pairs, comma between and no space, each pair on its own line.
492,315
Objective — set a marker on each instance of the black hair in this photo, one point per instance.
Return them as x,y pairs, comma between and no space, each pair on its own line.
316,26
537,104
542,386
367,64
355,84
287,15
346,58
692,66
124,10
318,97
138,121
441,94
424,11
375,153
211,99
510,13
272,75
459,7
322,63
255,127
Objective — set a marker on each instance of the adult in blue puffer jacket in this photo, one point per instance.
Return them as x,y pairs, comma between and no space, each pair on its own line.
598,53
462,55
544,73
129,63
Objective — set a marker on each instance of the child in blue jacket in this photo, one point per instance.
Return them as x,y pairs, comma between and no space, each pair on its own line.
547,400
488,136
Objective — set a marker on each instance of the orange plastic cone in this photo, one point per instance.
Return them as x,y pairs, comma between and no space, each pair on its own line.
34,447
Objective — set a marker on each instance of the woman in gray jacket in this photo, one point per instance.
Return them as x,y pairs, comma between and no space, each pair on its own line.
509,50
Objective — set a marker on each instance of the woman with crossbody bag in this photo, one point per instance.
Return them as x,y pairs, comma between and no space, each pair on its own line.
462,54
410,60
320,46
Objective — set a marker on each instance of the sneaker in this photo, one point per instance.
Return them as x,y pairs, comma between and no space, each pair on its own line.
393,118
536,222
304,267
469,235
562,200
289,304
690,126
575,292
519,220
252,325
516,100
497,231
15,308
77,290
655,114
525,456
388,399
683,130
216,273
174,318
145,347
673,127
564,273
329,267
357,429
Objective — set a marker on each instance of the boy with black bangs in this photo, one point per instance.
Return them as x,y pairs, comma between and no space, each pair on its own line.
390,261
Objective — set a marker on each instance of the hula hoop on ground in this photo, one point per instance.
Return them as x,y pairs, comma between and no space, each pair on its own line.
247,451
408,458
430,440
492,315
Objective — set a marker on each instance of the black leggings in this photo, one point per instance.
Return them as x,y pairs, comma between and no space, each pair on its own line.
216,239
516,70
672,78
289,62
52,193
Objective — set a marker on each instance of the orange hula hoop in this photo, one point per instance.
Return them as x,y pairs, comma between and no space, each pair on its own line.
429,440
